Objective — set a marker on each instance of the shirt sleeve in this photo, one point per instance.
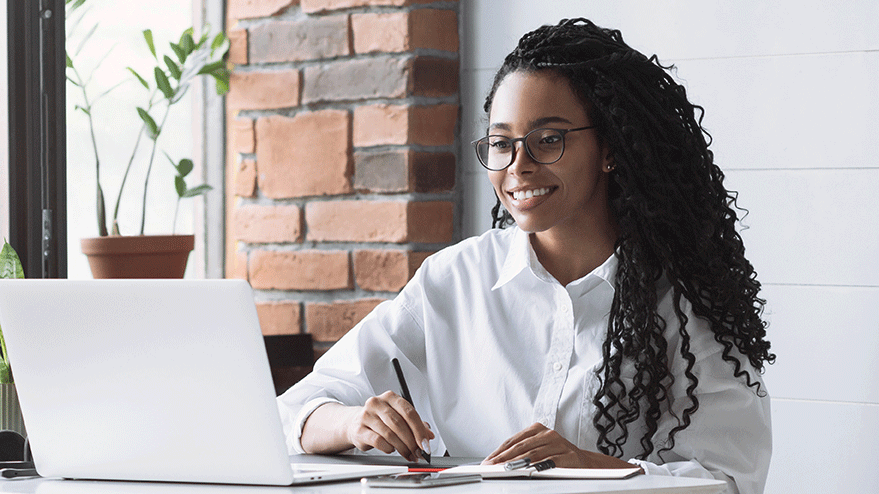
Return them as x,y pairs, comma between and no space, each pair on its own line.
356,368
730,437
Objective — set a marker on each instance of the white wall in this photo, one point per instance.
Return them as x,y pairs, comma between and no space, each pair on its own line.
791,93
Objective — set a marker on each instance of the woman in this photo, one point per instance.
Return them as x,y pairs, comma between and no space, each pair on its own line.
616,321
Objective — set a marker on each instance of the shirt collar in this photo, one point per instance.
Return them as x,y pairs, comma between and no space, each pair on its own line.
521,255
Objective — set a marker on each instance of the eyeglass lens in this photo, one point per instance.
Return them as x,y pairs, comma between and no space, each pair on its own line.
545,146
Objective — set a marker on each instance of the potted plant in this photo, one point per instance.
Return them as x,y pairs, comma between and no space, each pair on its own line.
10,410
112,254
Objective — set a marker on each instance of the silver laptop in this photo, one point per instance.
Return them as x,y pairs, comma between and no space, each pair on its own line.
150,380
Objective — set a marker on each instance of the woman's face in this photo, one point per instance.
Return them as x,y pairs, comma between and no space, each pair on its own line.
568,195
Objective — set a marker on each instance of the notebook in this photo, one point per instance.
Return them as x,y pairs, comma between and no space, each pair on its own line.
150,380
499,471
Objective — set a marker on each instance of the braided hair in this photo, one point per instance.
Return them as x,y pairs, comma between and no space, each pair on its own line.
676,222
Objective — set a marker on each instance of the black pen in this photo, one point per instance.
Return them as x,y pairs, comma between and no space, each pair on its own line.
407,397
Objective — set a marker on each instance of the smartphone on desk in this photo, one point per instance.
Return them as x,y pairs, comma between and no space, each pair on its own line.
417,480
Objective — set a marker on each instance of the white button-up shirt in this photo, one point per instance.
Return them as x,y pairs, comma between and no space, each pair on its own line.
490,343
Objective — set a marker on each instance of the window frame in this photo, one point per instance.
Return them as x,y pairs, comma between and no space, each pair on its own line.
37,136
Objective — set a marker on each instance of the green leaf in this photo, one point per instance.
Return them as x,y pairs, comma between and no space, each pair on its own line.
222,85
141,79
180,52
72,81
69,61
180,185
185,167
5,370
197,191
218,41
152,128
173,68
212,67
163,84
148,36
10,264
187,43
84,110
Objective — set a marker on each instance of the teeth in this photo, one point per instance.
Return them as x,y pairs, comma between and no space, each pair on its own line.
528,194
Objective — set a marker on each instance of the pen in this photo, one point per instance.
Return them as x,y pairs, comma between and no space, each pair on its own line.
407,397
517,464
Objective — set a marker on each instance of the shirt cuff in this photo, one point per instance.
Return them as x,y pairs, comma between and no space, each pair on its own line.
302,417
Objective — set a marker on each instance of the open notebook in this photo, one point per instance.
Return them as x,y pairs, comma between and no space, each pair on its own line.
150,380
499,471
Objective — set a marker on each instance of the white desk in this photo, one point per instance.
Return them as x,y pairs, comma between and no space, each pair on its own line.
641,484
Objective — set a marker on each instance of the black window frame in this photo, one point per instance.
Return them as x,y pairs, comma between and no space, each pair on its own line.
37,136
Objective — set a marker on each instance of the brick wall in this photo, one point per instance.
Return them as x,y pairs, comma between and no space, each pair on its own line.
342,120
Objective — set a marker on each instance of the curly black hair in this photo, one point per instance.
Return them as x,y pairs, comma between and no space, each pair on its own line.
676,222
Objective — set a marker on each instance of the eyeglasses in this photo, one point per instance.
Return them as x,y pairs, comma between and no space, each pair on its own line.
545,146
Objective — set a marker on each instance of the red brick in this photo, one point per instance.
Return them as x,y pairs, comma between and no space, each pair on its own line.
378,77
245,178
430,222
434,29
247,9
296,40
306,155
312,6
263,90
434,77
433,125
300,270
379,221
386,270
277,318
403,171
237,268
264,224
405,31
432,172
238,46
383,124
356,221
387,32
329,322
241,137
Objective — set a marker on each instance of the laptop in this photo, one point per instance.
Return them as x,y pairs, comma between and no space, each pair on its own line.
150,380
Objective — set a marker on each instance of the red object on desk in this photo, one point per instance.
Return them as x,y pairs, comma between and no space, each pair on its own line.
426,469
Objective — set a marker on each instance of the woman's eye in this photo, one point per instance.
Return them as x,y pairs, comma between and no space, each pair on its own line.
499,144
550,139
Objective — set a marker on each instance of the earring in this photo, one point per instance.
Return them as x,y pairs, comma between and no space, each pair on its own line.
609,168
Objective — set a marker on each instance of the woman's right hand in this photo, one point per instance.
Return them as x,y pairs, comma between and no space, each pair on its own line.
389,423
386,422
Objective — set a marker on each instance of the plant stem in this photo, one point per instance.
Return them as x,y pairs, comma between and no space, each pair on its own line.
146,181
102,216
174,224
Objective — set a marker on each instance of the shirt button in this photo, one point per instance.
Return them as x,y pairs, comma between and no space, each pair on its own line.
557,366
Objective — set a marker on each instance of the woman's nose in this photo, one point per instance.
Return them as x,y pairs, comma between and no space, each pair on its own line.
522,160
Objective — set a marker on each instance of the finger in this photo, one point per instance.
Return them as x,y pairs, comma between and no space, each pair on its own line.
381,417
506,449
412,430
392,427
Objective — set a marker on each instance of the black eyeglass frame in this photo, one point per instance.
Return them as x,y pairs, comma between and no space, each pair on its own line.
524,142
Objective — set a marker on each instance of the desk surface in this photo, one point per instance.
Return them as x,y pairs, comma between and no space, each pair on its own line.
641,484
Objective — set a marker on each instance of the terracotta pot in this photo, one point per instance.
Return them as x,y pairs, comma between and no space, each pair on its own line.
145,256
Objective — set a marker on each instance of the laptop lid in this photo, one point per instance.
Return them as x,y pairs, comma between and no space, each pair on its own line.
156,380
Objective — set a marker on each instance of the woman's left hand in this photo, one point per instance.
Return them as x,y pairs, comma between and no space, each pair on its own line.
539,443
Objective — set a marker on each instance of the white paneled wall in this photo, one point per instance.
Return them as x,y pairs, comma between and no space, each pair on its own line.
791,92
